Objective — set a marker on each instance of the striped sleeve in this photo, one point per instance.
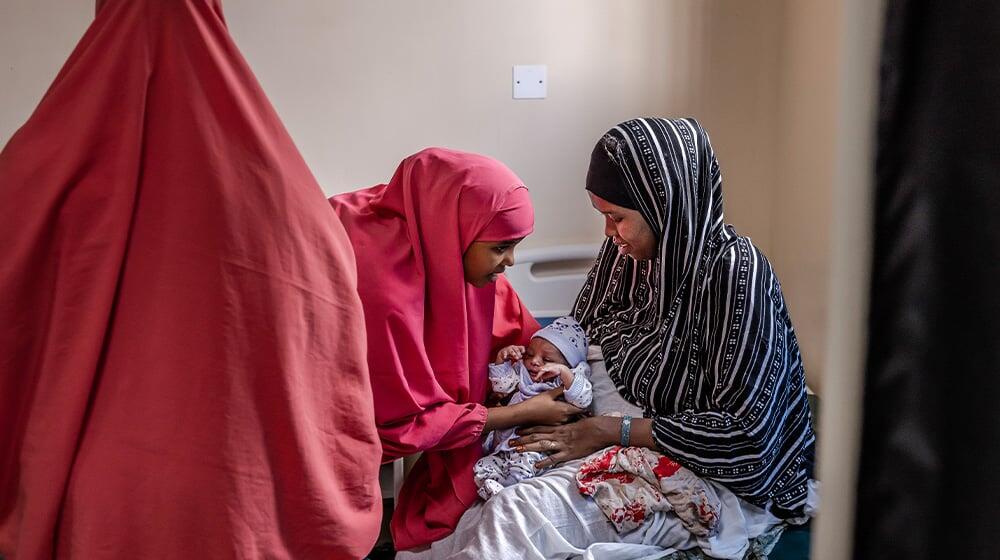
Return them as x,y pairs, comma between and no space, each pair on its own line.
580,393
747,425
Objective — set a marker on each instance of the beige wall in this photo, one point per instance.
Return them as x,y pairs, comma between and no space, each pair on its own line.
36,37
765,88
801,219
361,84
860,23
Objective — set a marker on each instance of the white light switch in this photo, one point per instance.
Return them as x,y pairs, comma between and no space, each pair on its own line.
530,81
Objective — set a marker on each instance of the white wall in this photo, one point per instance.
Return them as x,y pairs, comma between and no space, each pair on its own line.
360,85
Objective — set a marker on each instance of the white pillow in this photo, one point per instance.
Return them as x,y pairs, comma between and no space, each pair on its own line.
607,400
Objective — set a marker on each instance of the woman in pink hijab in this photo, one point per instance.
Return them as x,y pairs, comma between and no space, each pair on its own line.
430,248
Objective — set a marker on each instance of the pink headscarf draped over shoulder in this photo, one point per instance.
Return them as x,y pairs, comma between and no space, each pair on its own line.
182,352
430,333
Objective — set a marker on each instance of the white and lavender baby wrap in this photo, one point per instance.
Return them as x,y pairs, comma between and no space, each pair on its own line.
503,466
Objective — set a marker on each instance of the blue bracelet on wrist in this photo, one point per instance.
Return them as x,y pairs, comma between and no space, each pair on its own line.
626,430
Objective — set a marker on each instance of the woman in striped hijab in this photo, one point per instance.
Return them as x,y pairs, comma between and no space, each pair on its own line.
692,323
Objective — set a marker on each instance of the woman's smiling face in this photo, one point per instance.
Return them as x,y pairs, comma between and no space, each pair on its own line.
483,260
627,229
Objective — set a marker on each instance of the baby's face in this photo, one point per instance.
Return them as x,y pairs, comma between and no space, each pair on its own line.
540,352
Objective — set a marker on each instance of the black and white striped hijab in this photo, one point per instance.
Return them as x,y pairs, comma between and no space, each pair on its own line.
699,336
641,311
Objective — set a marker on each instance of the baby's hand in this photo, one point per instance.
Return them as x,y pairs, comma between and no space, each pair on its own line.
510,354
549,371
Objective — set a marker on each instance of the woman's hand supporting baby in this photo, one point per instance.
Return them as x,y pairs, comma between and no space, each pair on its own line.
542,409
579,439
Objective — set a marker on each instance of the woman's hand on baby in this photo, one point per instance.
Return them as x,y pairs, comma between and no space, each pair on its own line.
569,441
545,409
510,354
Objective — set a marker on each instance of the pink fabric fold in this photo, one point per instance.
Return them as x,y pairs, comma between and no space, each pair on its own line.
182,356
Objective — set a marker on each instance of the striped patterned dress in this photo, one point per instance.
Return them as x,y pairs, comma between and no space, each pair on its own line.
699,336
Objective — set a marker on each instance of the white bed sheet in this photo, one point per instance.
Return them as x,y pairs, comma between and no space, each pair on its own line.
547,517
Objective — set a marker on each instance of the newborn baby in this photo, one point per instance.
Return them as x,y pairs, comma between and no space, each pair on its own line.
555,357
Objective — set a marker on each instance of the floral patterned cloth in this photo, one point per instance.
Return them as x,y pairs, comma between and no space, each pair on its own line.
630,483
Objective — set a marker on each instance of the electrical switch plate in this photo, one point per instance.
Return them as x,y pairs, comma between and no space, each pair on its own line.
530,81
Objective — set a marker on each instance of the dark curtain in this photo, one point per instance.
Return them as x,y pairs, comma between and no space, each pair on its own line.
929,480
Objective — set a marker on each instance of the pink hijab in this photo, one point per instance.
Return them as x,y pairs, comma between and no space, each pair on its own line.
430,332
182,349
